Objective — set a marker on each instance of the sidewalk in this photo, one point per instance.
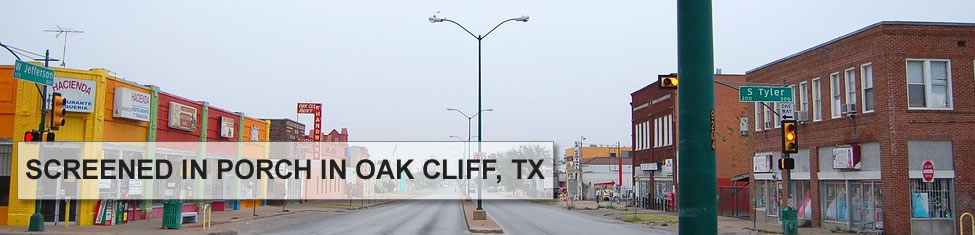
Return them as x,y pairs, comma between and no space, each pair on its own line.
726,225
220,219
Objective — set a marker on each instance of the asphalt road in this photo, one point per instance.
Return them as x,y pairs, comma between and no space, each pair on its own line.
399,217
522,217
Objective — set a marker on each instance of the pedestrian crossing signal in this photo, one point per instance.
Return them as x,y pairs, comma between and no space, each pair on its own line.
668,81
787,163
790,139
32,136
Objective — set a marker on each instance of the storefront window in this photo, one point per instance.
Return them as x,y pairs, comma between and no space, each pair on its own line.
772,198
931,200
661,188
834,200
865,200
760,194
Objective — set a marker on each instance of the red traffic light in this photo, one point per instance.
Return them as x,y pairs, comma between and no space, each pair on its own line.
32,136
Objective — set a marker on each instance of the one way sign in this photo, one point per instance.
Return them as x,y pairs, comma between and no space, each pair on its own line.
786,111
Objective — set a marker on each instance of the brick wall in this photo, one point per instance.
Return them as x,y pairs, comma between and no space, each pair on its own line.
886,46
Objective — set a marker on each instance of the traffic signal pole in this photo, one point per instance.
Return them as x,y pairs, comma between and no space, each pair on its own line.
697,200
37,219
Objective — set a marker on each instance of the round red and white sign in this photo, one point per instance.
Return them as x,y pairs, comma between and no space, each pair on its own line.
479,155
927,171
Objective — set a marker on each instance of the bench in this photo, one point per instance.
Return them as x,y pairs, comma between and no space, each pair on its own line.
189,217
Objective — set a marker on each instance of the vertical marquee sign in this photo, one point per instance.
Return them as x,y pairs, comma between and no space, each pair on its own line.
316,131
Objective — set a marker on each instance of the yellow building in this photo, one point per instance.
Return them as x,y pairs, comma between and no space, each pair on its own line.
596,151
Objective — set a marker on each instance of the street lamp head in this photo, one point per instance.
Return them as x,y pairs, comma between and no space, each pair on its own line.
522,19
451,109
487,110
434,19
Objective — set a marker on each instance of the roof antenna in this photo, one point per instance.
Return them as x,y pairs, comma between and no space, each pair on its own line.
65,31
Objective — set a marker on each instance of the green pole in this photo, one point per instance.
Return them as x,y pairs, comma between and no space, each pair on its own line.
479,134
697,200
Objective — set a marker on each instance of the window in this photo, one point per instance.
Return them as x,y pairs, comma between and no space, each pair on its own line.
931,200
636,137
758,116
853,201
767,116
646,133
834,200
865,198
656,132
866,86
850,78
670,130
803,97
835,95
817,97
928,83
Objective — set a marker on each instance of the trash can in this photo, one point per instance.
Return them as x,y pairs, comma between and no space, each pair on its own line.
789,221
172,216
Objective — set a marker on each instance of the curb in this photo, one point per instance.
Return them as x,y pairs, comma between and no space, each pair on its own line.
478,229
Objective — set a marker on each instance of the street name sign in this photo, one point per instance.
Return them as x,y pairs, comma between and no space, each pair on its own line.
764,94
33,73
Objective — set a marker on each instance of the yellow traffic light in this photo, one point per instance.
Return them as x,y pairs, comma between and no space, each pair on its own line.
790,139
57,110
669,81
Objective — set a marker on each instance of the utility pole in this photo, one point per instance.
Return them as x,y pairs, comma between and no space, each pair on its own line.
697,199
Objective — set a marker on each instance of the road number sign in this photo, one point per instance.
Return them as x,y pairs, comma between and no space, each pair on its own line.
927,171
764,94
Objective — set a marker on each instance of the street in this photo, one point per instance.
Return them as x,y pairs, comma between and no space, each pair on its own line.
440,217
399,217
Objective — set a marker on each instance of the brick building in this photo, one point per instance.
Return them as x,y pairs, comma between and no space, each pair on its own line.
286,130
654,139
874,105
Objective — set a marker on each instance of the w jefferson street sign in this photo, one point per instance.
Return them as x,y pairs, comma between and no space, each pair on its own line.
33,73
764,94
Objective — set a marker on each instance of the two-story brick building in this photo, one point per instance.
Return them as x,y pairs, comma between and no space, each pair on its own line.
873,106
654,141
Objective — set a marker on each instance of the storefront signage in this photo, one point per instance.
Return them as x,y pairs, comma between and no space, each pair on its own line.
182,117
846,157
648,166
226,127
131,104
762,164
80,94
668,167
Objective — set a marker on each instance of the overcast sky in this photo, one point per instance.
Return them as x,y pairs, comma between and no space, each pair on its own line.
386,73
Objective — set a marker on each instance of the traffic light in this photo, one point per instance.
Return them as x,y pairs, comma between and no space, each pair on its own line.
668,81
49,136
790,140
787,163
32,136
57,110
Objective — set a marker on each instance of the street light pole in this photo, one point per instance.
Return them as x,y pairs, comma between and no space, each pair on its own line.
697,197
469,137
435,19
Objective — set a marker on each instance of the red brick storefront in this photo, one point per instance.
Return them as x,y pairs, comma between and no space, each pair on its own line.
878,65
